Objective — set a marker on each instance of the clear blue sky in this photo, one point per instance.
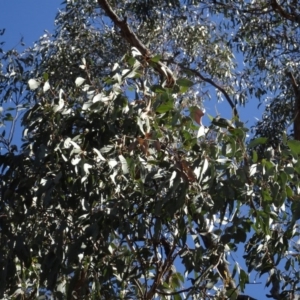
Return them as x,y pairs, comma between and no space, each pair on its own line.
29,19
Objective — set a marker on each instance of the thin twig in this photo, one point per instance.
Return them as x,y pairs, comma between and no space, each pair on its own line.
217,86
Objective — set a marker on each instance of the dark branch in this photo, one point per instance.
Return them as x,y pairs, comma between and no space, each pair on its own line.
218,87
134,41
292,17
296,107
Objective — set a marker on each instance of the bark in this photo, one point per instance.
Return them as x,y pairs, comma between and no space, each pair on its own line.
296,107
127,33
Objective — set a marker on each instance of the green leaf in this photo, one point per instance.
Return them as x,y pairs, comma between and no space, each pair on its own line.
296,210
238,132
157,88
156,58
210,117
294,146
232,294
131,167
184,82
254,156
164,107
243,280
131,61
297,166
275,190
8,117
45,76
288,264
258,141
266,195
177,297
240,235
183,89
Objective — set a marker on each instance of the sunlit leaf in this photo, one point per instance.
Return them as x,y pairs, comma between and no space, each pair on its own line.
79,81
46,86
124,164
33,84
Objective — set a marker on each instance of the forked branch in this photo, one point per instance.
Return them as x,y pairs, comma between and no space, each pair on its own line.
134,41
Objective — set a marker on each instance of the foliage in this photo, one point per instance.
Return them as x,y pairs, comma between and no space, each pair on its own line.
118,190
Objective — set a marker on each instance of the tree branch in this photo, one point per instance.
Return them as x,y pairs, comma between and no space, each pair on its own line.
161,272
296,107
222,267
218,87
134,41
261,10
283,13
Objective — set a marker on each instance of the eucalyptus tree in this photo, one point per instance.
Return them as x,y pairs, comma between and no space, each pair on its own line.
118,190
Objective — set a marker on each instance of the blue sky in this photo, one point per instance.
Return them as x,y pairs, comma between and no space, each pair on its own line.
26,18
29,19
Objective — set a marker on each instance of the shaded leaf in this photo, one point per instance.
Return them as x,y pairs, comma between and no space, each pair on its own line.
196,114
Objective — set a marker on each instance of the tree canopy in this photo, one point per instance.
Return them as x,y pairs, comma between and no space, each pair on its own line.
117,190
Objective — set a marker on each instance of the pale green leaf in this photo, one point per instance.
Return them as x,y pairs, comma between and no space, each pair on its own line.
165,107
294,145
258,141
184,82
